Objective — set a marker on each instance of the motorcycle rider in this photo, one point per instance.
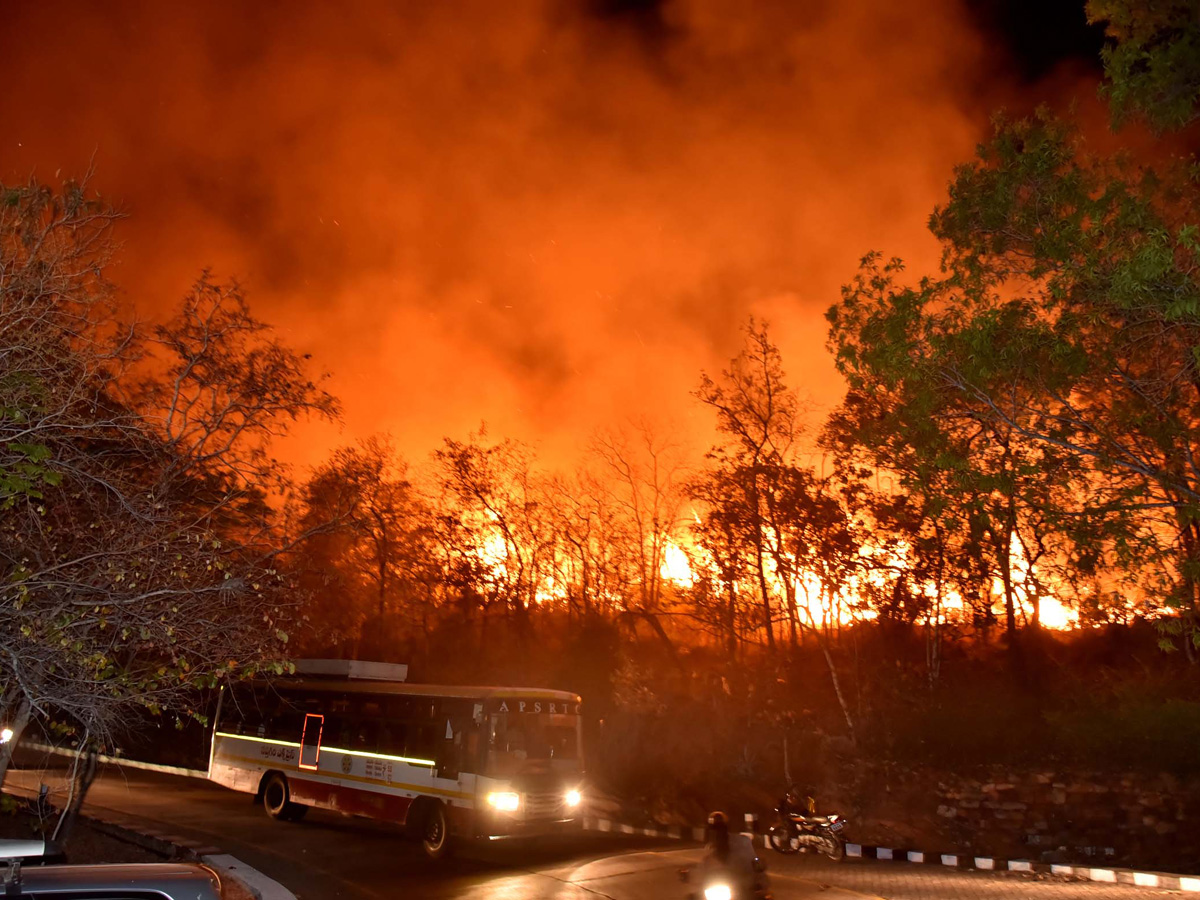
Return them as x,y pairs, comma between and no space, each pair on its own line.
798,801
732,857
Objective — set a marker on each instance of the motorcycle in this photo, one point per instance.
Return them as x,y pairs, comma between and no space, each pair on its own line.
796,831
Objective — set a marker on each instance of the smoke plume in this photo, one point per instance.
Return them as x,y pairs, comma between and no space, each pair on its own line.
545,215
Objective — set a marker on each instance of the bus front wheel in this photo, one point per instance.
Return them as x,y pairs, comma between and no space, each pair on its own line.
276,800
435,831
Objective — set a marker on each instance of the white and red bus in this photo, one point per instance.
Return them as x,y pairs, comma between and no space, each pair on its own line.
445,762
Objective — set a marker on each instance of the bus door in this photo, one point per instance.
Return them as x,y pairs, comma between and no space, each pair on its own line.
310,740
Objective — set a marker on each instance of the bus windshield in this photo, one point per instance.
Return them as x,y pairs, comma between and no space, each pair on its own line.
522,741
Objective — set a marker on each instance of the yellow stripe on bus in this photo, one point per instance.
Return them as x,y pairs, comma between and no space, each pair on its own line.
411,760
416,788
258,740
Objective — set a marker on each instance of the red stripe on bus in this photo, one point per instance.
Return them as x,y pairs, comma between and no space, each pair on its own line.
373,805
352,801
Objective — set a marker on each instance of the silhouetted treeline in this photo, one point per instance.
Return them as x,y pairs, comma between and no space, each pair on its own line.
777,591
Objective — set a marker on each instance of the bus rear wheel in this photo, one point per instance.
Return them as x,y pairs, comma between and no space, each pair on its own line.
276,800
435,831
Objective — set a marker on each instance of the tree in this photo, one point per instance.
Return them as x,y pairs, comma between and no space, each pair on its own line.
722,534
591,564
1066,324
646,488
757,416
371,559
773,513
1106,335
1153,66
499,530
138,560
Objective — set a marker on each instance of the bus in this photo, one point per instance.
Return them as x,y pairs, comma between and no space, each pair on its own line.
444,762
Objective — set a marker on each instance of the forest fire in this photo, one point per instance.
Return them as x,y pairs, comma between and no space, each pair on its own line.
727,365
853,602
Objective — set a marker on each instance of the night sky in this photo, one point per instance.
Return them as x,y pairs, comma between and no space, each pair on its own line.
546,215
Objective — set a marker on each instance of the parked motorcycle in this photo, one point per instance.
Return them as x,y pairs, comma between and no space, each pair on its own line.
800,828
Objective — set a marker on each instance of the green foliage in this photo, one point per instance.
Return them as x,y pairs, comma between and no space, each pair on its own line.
139,559
1044,386
1153,63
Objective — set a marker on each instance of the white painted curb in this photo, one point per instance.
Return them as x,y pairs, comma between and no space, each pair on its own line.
260,885
120,761
1161,880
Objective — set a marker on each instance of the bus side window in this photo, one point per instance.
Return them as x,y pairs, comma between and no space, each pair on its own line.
366,735
339,732
371,709
449,755
391,738
473,754
284,718
230,720
423,740
339,714
245,710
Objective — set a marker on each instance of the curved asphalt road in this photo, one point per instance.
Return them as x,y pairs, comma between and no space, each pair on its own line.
331,857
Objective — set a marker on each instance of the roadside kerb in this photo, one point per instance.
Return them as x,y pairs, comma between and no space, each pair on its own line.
669,832
169,846
118,760
126,828
1103,874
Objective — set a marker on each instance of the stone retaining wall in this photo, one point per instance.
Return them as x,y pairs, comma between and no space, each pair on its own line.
1052,816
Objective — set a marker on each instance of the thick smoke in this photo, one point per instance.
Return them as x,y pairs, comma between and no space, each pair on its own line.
546,215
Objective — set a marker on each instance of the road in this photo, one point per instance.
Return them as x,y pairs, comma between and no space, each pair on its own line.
331,857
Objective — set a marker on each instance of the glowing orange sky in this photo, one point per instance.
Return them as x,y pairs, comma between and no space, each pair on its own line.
523,212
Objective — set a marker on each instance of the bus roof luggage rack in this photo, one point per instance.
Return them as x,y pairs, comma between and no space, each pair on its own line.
359,669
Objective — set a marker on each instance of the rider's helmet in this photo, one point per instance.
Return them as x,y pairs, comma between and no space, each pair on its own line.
801,799
718,834
717,822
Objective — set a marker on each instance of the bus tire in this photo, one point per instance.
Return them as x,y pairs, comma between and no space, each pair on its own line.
435,830
277,799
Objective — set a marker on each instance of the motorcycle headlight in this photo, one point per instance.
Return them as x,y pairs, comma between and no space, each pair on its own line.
718,892
505,801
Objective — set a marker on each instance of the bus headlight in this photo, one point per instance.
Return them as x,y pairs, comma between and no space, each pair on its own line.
505,801
574,798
